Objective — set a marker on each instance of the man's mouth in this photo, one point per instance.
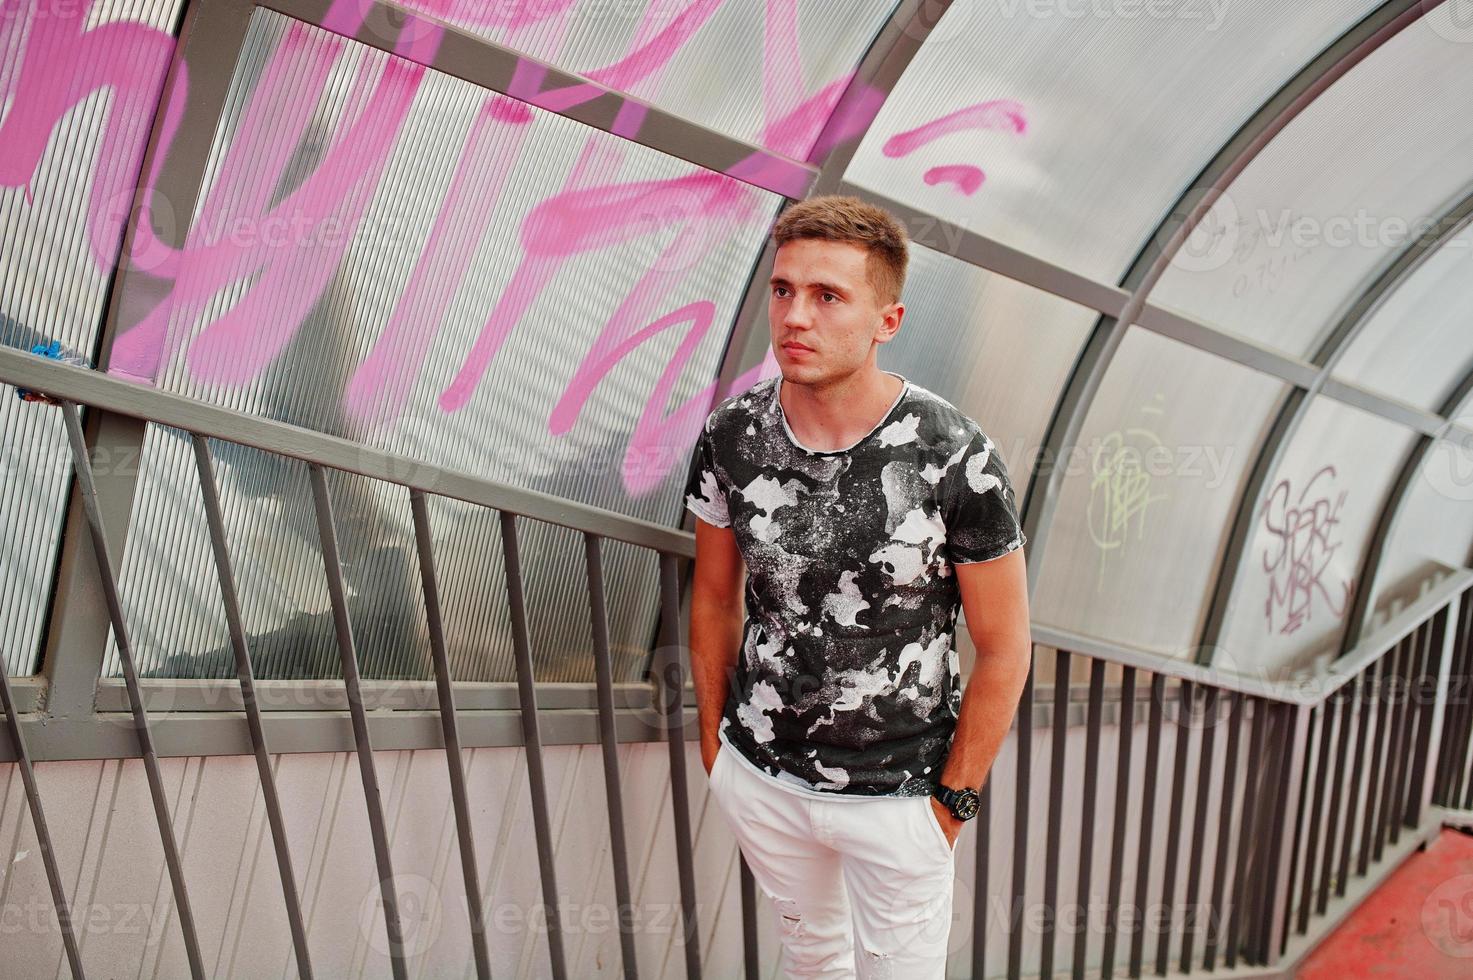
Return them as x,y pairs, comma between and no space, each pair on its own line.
793,348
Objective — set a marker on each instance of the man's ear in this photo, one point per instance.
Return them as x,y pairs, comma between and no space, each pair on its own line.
890,317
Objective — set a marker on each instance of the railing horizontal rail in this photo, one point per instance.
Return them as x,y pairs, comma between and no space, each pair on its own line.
1308,688
100,390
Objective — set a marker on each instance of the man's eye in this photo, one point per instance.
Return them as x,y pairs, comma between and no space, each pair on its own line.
779,290
829,296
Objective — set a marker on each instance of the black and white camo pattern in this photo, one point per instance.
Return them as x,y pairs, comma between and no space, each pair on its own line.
848,682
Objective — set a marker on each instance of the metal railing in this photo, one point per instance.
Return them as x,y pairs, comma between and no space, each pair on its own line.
74,386
1304,793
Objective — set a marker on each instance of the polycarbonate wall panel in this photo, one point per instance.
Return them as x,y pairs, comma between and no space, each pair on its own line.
79,86
996,349
1069,129
1434,529
1304,552
1149,495
768,73
392,255
1418,346
1369,165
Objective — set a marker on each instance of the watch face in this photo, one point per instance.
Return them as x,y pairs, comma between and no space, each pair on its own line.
967,803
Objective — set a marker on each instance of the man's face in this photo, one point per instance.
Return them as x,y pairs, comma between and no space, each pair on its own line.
820,297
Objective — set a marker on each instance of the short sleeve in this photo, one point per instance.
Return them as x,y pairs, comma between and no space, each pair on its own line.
979,506
704,495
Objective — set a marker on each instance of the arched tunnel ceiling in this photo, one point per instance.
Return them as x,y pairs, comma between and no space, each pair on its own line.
1074,145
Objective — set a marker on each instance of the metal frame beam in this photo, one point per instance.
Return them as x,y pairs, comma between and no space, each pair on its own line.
1358,617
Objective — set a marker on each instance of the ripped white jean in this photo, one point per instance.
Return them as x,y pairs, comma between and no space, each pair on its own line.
882,865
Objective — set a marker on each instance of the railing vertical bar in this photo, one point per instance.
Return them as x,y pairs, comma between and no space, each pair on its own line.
1411,712
1301,816
230,598
450,731
670,675
1361,706
983,886
1224,832
1199,829
1344,712
1259,910
1146,842
1117,833
1424,713
88,487
1326,712
1378,700
1464,784
1248,845
1396,716
752,968
532,737
1185,693
1087,812
1442,638
1289,803
1455,742
1022,808
608,738
348,654
1059,737
43,830
1464,730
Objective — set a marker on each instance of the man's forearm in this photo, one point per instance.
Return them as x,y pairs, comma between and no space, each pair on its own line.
715,636
989,705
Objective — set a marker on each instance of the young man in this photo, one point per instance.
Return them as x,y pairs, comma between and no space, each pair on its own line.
864,509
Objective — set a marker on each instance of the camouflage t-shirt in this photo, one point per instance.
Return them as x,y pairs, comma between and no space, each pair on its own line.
847,682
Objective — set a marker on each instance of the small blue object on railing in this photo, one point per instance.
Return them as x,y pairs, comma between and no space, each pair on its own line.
56,352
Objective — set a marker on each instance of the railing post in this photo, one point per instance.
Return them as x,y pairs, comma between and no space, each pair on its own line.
1296,738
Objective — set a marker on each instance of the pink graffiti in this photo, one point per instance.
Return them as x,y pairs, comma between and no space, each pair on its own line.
1302,530
966,177
998,114
61,66
487,17
624,74
380,387
275,288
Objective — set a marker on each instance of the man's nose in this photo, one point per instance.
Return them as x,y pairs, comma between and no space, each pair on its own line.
799,314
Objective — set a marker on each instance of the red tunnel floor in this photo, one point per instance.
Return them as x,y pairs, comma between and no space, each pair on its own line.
1418,924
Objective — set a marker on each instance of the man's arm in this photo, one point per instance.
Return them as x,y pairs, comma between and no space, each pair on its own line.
716,616
995,599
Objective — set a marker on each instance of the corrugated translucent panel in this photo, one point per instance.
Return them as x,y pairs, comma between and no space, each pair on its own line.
392,255
1367,167
998,350
1067,130
76,104
768,73
1149,495
1418,346
1304,553
1434,530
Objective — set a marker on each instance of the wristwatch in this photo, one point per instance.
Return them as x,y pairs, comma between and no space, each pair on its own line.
963,803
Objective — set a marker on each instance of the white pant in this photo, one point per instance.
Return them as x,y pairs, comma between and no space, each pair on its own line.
883,863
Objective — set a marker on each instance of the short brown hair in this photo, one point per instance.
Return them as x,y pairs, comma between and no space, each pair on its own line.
837,218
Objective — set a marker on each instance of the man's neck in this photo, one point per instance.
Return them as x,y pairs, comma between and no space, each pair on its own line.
832,417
